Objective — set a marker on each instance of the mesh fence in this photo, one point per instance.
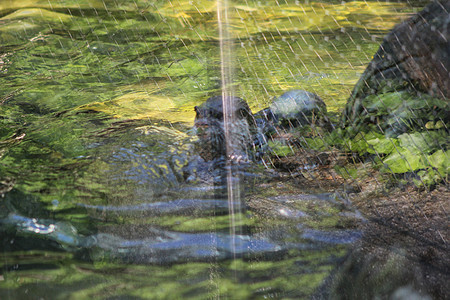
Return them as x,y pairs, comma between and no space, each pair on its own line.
125,124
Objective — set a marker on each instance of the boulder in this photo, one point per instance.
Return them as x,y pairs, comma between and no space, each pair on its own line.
407,84
296,108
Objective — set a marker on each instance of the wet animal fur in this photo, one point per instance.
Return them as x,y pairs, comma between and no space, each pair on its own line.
210,129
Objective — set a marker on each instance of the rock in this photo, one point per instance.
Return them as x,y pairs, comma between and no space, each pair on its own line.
407,84
297,108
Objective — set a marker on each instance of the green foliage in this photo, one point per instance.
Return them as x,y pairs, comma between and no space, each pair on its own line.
280,149
401,111
315,143
420,151
403,161
347,172
408,132
425,142
440,160
381,145
423,152
430,176
358,143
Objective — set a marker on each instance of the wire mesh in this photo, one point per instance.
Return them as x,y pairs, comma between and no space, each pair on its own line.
115,116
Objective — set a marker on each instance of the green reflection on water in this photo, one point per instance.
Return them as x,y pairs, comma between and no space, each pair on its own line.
68,279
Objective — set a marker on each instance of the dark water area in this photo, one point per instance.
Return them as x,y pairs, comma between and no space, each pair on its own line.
104,195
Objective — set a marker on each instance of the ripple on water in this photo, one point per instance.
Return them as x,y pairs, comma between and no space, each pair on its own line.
332,236
168,207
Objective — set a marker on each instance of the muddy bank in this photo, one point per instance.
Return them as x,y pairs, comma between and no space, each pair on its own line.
405,243
404,250
403,253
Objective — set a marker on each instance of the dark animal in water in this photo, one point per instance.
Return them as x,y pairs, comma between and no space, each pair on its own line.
210,129
249,132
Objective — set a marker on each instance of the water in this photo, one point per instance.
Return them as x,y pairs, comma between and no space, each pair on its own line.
229,118
104,196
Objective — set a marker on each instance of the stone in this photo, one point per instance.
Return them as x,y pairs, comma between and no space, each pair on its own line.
412,65
296,108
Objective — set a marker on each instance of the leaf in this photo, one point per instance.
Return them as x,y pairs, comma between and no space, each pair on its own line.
441,161
358,144
315,143
424,142
403,161
384,102
280,149
428,177
383,145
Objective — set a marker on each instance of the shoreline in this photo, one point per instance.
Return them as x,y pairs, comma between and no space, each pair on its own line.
405,244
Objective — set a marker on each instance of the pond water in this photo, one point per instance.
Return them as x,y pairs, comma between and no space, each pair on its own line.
104,196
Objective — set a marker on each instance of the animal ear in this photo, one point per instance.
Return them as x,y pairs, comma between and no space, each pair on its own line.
197,112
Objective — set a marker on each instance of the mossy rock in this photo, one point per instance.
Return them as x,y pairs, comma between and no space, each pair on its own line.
407,85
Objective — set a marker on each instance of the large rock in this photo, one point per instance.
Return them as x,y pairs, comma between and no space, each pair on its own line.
297,107
411,69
